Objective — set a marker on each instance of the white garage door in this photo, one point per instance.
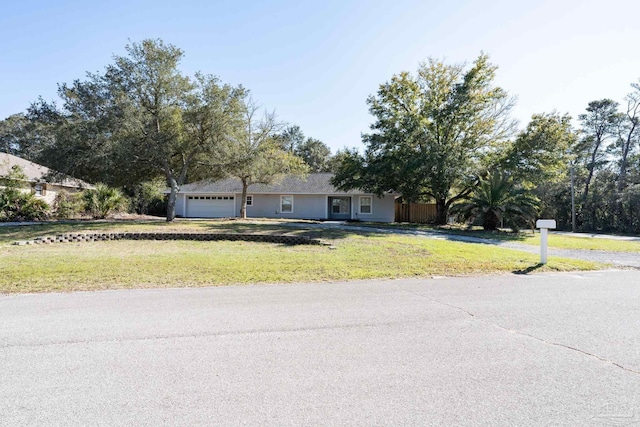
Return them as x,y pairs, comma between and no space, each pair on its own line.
210,206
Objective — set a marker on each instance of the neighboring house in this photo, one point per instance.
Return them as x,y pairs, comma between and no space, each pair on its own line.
312,197
42,181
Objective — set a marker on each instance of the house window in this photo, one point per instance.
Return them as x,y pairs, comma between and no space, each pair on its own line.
340,205
286,204
39,190
365,204
249,200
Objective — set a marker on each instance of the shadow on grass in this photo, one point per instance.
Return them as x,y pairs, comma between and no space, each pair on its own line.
497,235
528,269
501,235
310,230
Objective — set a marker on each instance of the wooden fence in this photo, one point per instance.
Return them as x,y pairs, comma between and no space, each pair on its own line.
415,212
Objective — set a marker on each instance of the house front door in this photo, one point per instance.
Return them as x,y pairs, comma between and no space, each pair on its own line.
340,208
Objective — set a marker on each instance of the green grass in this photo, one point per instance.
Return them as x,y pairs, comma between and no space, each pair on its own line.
582,243
143,264
528,238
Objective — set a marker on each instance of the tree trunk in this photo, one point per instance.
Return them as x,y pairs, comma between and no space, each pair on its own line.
622,177
591,167
491,221
173,195
243,203
586,186
441,211
626,148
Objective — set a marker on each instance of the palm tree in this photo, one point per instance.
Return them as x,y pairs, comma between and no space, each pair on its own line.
495,199
103,200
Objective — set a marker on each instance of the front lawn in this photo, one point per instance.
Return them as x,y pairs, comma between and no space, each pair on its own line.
144,264
556,241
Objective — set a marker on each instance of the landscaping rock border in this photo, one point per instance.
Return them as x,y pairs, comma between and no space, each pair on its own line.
101,237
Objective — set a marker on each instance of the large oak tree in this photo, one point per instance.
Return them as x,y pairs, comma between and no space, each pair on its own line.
139,120
431,133
542,153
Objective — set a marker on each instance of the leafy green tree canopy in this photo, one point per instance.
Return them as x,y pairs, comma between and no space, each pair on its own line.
542,152
290,138
599,124
431,133
139,120
13,131
255,154
315,153
628,141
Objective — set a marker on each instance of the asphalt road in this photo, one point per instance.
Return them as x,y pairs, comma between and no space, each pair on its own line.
560,349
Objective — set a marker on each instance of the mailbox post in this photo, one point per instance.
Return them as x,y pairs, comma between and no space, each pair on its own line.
544,225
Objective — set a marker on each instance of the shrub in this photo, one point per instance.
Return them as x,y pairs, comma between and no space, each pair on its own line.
148,198
16,202
103,200
630,202
68,205
16,205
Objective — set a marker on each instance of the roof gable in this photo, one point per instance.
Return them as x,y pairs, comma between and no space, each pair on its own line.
36,172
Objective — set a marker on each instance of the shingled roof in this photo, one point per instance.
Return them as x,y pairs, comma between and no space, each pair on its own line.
313,183
36,172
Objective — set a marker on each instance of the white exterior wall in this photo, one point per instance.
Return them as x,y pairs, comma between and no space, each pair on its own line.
383,209
308,206
305,206
52,190
180,205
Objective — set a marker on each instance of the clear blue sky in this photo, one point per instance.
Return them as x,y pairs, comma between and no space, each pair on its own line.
315,62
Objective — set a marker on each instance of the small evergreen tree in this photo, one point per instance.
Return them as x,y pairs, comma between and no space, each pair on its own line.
495,199
103,200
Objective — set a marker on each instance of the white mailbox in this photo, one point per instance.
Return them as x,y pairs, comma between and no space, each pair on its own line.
544,225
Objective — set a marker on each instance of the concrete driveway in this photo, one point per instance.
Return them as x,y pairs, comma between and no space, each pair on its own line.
559,349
